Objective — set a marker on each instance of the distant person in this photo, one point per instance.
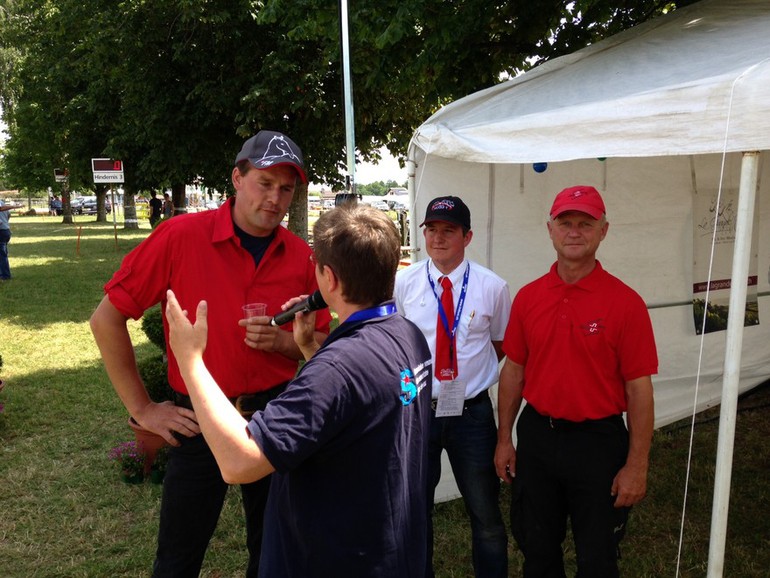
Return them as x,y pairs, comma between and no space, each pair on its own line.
235,255
52,205
168,206
462,309
156,208
348,437
580,350
5,237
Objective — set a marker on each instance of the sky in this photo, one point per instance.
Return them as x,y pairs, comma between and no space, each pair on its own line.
386,170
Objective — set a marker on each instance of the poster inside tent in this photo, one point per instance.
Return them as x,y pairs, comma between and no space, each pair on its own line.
714,223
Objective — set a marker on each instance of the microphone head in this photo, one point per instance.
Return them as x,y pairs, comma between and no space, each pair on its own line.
316,301
313,303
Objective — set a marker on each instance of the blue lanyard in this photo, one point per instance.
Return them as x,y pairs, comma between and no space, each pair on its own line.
460,302
388,308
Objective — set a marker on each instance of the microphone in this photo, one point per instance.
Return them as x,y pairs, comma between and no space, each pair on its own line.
312,303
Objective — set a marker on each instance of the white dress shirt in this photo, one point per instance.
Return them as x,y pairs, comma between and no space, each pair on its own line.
483,320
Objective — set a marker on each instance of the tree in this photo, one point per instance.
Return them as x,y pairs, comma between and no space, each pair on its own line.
173,87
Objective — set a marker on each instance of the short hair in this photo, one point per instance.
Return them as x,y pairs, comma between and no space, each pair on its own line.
362,246
244,166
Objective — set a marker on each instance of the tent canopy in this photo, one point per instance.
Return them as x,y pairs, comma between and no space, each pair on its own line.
645,117
692,82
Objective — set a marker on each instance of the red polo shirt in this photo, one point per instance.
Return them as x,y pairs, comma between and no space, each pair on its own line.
579,344
199,256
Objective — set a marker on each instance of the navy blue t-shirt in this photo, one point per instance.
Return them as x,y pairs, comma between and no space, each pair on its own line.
348,439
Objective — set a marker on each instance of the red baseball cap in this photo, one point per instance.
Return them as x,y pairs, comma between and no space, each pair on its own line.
580,198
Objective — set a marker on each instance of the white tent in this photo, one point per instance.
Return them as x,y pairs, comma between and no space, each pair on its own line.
648,117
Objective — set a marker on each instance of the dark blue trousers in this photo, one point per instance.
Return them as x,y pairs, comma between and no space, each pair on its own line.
470,440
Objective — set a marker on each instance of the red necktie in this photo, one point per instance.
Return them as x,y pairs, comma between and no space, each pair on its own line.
446,360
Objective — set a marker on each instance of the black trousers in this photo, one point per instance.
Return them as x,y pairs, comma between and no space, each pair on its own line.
193,496
564,470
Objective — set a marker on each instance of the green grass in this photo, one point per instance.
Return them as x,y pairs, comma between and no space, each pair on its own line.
64,511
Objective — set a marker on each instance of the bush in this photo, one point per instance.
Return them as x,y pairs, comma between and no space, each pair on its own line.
152,325
154,371
154,374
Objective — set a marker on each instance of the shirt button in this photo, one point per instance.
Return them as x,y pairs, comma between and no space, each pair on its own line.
566,300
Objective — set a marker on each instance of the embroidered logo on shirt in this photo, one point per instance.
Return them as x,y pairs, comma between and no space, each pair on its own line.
592,327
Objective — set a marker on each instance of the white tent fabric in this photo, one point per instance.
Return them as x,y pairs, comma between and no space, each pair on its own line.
644,116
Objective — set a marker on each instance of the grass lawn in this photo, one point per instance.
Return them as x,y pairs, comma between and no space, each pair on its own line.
65,512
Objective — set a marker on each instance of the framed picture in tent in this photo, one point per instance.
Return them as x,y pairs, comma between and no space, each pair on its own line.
715,215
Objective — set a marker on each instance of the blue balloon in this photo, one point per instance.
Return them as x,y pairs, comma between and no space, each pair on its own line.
540,167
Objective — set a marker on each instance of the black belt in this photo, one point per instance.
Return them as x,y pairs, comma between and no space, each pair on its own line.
246,404
586,424
468,402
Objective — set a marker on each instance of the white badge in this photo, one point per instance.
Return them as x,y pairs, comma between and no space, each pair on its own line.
451,398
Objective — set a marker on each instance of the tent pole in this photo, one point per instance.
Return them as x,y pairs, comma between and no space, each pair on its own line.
732,363
411,169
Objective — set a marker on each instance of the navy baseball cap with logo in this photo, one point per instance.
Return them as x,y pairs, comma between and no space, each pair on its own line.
268,149
450,210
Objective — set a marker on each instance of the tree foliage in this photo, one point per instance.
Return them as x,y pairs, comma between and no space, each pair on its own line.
173,87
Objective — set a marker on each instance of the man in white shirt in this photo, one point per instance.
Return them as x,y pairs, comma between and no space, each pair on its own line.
465,335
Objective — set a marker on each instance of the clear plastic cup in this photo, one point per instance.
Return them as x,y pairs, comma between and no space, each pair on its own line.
254,310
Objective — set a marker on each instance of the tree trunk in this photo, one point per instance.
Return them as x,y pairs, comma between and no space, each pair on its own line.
298,212
129,209
101,194
66,204
178,198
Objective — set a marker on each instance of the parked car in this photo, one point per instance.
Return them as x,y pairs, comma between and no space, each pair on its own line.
76,204
87,205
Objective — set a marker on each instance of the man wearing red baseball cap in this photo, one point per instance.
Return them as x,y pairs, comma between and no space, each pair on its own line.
580,350
235,255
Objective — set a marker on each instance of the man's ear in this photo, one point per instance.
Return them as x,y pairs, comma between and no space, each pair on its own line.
332,281
236,177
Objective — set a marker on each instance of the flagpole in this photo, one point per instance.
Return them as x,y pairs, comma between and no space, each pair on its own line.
350,138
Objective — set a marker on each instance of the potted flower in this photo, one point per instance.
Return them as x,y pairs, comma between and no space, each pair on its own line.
158,468
130,459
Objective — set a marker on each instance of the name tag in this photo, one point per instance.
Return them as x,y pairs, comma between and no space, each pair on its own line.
451,399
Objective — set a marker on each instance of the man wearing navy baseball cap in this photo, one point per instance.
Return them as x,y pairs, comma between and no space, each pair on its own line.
580,350
268,149
229,257
462,309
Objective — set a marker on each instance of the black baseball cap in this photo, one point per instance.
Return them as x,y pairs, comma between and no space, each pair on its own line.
268,149
449,209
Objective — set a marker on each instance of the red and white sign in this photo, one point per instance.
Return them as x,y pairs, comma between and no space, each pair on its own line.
107,171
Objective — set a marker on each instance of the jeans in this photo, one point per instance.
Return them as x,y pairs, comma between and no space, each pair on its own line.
5,268
193,495
470,441
565,471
